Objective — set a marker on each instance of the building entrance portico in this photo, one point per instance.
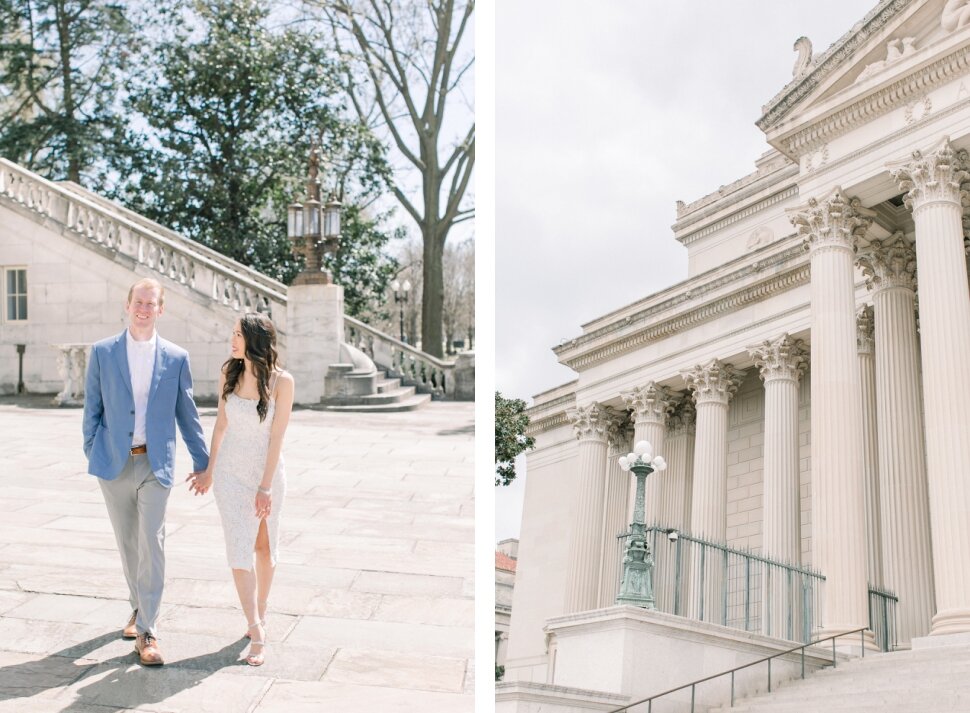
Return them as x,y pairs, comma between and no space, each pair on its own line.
805,382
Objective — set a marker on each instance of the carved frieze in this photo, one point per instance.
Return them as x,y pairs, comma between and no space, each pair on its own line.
956,14
937,175
714,382
865,323
650,403
836,221
592,422
889,263
781,358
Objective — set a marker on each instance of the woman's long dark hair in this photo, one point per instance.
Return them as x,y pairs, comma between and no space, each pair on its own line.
260,337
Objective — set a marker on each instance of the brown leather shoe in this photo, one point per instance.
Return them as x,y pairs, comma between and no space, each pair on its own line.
130,632
146,646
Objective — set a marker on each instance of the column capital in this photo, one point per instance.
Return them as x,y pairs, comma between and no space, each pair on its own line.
889,263
932,176
683,418
835,220
619,432
714,382
650,403
591,422
783,358
865,323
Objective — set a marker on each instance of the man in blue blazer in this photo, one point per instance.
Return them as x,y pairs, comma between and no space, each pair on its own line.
138,387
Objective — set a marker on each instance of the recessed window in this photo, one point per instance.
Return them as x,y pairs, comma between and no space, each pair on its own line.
15,294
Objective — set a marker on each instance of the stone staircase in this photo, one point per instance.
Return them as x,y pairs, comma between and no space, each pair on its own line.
392,395
923,680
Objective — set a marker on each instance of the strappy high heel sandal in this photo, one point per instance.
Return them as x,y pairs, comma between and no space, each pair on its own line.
262,621
256,659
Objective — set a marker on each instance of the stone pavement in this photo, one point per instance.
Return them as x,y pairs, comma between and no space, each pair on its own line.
372,608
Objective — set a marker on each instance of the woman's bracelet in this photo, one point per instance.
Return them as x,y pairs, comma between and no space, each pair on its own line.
265,491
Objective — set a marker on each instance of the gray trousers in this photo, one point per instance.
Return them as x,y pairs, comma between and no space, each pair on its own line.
136,506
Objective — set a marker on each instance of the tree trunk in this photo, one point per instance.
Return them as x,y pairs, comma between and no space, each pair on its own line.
433,294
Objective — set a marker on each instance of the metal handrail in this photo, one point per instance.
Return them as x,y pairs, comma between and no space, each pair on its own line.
693,684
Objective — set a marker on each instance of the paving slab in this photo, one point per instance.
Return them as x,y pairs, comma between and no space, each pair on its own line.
371,610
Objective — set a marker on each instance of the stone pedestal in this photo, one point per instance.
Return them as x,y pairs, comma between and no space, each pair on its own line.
933,183
72,365
638,652
314,332
890,267
830,227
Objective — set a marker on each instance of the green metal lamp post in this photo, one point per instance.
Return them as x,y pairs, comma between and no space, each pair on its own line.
637,586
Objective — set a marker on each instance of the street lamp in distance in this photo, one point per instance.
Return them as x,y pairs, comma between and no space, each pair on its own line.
401,292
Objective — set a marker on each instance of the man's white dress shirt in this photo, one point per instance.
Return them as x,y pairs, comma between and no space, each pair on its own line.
141,365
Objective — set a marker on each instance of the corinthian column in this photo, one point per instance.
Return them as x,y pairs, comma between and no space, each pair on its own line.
933,184
890,267
865,342
679,447
782,362
615,519
713,385
650,404
830,227
591,424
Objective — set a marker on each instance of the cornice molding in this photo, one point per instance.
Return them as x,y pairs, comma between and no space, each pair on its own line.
690,213
795,91
766,202
900,93
787,280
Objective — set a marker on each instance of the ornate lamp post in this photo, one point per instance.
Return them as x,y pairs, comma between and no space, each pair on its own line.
637,586
401,292
314,228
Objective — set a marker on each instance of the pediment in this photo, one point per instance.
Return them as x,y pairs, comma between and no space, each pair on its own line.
894,41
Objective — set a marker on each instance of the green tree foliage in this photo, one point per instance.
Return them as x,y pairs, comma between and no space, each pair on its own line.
510,438
61,64
227,107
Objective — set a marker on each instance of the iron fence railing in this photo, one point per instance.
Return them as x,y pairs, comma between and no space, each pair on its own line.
708,581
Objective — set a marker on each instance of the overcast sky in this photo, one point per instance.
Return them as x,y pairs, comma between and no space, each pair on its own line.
607,113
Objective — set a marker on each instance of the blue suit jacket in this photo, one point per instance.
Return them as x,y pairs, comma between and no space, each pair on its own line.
109,411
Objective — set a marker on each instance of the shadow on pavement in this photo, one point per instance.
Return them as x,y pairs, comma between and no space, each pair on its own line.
120,683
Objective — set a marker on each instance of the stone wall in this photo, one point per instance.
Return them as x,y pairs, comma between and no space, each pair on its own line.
76,293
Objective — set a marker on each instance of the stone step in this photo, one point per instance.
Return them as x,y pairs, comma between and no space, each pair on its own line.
407,404
388,397
385,384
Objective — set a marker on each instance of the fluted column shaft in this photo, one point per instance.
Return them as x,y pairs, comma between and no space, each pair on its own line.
838,486
933,184
591,425
865,340
650,404
713,385
904,505
782,362
679,447
614,516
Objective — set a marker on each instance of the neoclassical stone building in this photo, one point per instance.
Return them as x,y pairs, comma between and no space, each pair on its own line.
807,385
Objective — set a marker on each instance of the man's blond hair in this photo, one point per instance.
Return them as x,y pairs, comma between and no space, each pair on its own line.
148,282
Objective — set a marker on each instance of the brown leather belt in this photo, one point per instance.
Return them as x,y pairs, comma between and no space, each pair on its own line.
139,450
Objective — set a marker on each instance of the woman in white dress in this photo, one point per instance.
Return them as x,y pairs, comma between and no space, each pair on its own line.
246,466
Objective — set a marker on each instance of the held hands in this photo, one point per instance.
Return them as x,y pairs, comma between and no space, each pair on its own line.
264,503
200,481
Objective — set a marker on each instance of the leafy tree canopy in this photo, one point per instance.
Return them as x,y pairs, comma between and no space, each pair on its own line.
510,439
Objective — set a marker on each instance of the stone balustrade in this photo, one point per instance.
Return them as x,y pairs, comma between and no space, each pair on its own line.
200,269
430,374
